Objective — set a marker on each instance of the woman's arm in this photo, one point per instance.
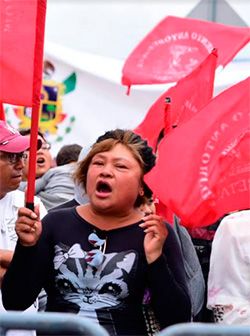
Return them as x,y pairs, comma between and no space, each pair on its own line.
167,281
30,265
5,259
21,286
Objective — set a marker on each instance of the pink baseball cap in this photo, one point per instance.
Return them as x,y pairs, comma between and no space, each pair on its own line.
12,141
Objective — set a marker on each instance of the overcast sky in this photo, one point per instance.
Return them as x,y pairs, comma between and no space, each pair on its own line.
113,28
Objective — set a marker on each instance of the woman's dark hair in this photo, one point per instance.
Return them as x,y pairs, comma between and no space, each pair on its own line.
145,151
148,193
138,147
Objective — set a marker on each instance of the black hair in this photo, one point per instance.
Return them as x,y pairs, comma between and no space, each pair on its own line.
27,131
148,193
67,154
145,151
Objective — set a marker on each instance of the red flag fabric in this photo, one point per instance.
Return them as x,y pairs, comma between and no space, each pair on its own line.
163,211
19,28
177,45
204,165
188,96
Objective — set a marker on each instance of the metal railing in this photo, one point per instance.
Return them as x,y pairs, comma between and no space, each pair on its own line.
71,324
50,323
205,329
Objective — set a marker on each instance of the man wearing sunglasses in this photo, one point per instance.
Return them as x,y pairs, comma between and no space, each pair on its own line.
12,155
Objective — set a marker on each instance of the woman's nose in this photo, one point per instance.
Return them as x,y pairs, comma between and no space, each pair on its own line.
107,170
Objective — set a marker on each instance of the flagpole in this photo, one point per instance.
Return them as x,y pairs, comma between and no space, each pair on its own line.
32,157
2,114
36,97
167,116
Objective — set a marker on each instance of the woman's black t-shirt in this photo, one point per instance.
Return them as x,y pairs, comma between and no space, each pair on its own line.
105,282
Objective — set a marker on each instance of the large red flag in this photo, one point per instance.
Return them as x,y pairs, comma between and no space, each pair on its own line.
177,45
18,32
204,165
188,96
21,60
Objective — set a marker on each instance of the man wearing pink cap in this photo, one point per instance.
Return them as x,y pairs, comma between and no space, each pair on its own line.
12,148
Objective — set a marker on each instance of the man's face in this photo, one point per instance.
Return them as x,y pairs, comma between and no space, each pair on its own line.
43,160
11,166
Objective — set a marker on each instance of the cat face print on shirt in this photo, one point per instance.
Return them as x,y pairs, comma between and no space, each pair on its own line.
86,287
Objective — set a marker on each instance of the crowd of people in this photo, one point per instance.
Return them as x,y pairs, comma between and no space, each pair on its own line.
96,246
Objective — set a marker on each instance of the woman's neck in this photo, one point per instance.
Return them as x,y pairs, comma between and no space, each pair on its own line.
108,220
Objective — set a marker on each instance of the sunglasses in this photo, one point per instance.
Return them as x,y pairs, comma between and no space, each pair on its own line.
46,146
12,158
95,257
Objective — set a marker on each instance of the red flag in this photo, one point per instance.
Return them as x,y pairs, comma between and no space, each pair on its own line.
18,27
204,165
21,60
177,45
188,96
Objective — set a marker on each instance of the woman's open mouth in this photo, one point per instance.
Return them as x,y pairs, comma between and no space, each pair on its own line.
103,188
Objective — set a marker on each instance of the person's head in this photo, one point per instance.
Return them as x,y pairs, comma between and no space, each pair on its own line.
12,151
68,154
79,192
44,157
113,170
148,205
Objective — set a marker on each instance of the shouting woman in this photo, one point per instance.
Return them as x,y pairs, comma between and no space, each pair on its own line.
98,259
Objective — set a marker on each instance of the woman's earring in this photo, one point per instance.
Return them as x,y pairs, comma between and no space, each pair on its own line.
141,192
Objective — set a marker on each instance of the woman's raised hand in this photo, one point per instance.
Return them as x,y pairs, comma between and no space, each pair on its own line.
28,226
155,236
